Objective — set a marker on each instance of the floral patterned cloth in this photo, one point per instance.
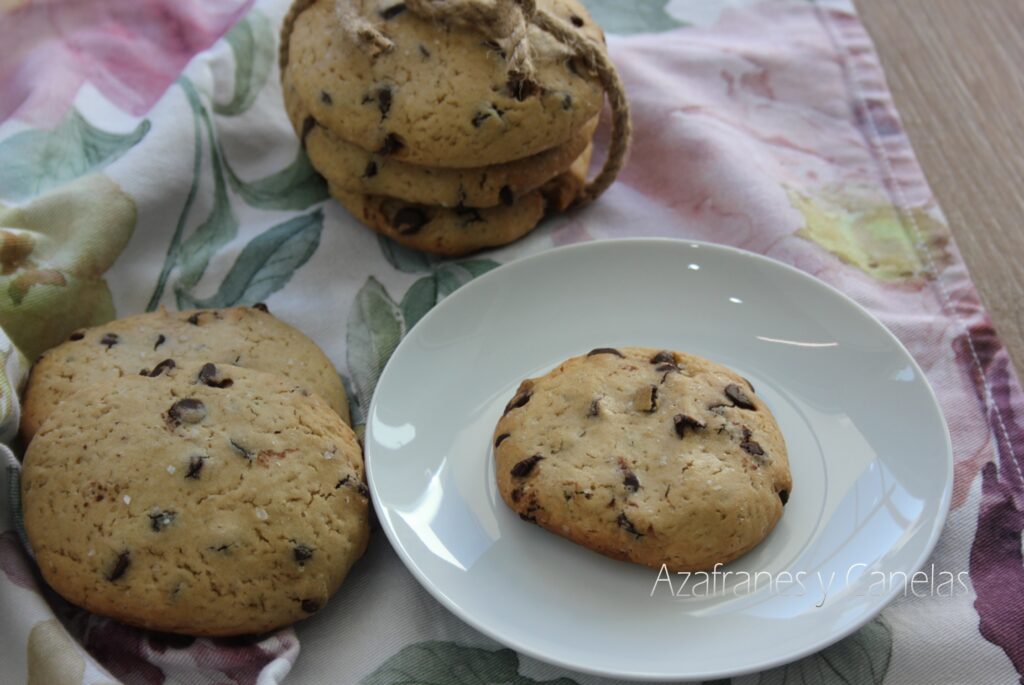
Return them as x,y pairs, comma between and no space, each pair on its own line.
126,183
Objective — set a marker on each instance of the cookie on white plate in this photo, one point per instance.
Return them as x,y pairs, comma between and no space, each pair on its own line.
652,456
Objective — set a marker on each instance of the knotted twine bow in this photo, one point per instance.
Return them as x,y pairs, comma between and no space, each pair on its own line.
507,23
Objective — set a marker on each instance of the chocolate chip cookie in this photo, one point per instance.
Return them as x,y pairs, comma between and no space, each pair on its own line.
461,230
441,96
143,344
350,168
200,498
652,456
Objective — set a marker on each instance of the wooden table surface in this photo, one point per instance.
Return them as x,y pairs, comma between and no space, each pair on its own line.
956,70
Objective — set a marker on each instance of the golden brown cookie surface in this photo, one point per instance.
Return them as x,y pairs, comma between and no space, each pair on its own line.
461,230
350,168
243,336
651,456
207,500
441,97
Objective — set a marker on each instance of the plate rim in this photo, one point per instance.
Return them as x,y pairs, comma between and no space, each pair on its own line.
816,645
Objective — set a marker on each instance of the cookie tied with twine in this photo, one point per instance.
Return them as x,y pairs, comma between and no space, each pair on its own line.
506,24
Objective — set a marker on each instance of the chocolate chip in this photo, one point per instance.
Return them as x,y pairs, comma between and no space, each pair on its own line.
518,401
219,548
647,399
525,467
784,496
310,606
109,339
567,102
160,340
195,465
409,220
246,453
77,335
626,524
605,350
521,88
751,447
664,357
517,495
506,195
158,520
393,11
262,306
307,127
371,170
683,422
424,51
194,319
501,438
188,410
124,560
384,101
595,407
392,144
209,376
738,397
325,98
571,64
479,118
529,518
666,369
359,486
469,215
165,365
302,553
576,21
629,478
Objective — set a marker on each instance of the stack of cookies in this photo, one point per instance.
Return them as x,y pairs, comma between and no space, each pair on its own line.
193,472
422,129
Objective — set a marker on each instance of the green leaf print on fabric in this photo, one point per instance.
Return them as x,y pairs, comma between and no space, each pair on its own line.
179,230
375,325
403,258
297,186
266,264
253,43
861,659
191,256
442,282
36,161
877,239
419,299
221,226
632,16
448,663
53,253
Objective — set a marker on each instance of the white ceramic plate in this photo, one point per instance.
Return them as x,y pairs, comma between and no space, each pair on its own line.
868,448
